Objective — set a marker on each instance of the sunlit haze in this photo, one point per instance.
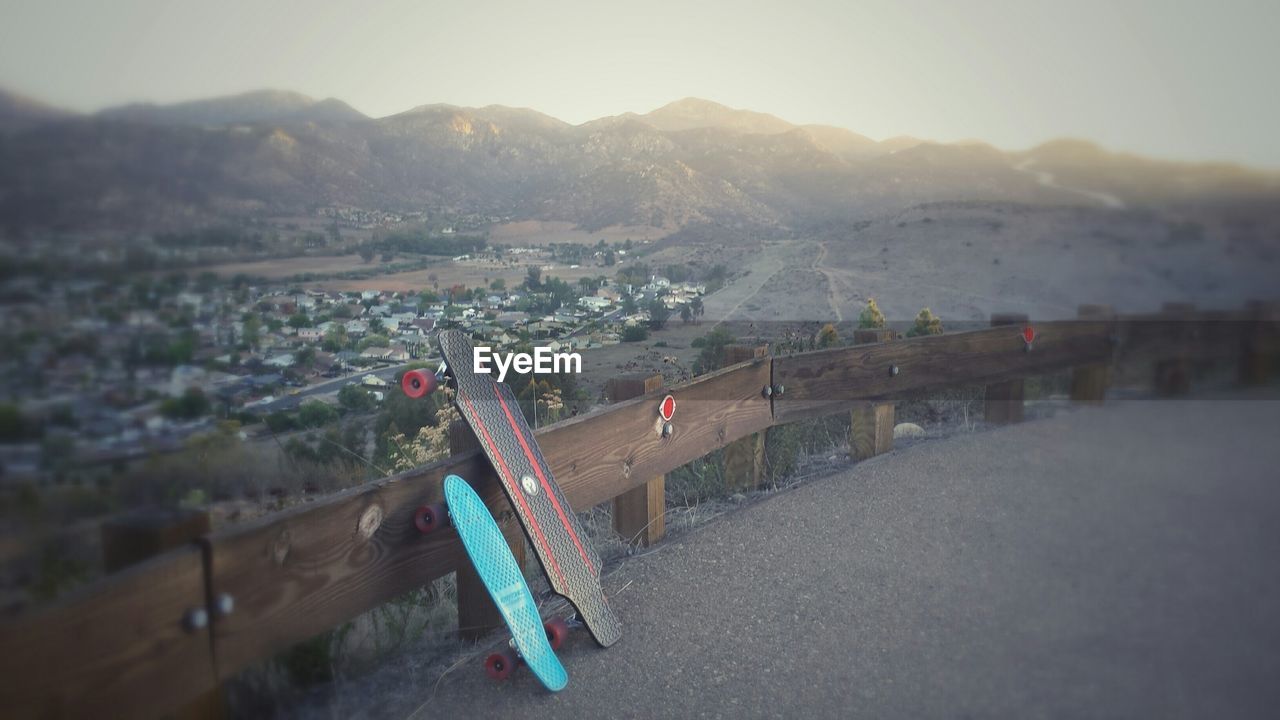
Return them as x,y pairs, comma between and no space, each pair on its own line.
1177,80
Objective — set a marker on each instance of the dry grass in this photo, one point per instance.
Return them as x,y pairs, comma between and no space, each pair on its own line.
280,268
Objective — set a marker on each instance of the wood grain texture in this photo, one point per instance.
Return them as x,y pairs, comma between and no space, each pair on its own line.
871,424
308,569
119,649
829,381
599,456
639,514
871,430
744,463
1002,403
1089,382
1261,343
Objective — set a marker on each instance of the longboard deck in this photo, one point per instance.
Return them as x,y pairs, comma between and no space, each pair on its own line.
571,564
502,577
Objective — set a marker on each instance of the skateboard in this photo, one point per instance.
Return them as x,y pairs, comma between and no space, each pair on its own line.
570,563
501,575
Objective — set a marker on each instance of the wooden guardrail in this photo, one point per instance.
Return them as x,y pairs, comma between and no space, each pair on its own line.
149,639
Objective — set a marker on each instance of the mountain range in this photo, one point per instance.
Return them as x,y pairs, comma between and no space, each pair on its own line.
272,153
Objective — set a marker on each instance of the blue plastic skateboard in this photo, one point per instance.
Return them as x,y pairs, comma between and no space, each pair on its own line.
502,577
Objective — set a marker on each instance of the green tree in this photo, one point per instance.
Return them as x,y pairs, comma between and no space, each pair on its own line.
304,357
711,350
828,337
314,414
252,325
686,314
366,253
335,339
280,422
369,341
356,399
533,277
926,324
299,320
498,285
189,406
658,314
871,317
635,333
182,348
12,426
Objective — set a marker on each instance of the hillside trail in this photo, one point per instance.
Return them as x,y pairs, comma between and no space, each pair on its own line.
1046,179
762,270
819,264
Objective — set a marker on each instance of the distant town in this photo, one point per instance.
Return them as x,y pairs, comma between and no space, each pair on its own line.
102,372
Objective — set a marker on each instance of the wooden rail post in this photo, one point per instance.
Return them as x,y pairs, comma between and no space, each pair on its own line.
145,533
1259,346
1173,374
744,458
639,514
1003,402
477,615
871,424
1089,382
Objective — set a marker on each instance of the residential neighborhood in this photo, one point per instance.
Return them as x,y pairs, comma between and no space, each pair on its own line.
103,372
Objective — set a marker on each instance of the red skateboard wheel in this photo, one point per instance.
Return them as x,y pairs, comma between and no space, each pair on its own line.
418,383
557,631
499,665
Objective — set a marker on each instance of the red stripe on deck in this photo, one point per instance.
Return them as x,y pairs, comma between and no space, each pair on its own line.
546,486
515,489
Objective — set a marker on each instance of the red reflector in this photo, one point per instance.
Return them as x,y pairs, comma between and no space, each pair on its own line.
1029,334
667,408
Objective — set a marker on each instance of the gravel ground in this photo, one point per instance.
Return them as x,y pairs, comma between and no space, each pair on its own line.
1112,562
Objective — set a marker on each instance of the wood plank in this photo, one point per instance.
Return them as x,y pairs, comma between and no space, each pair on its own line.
744,457
1003,400
871,430
1260,346
305,570
1173,370
601,455
871,424
118,648
830,381
744,462
146,532
639,514
1089,383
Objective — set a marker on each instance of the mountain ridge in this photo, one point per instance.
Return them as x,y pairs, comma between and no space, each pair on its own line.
688,162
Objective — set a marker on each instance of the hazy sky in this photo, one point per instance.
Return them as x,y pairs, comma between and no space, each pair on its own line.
1169,78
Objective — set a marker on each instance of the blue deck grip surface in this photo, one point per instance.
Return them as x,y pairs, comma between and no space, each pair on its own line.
502,577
